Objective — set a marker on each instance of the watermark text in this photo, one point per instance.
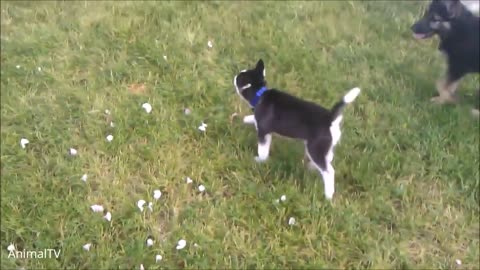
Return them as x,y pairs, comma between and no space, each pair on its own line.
48,253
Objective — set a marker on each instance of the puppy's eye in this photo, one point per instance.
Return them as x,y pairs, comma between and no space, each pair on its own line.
436,17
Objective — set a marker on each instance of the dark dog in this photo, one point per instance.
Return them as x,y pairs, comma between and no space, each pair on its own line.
458,30
283,114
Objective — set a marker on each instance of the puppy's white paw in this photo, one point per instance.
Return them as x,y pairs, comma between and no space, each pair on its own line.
329,192
260,160
249,119
439,100
329,195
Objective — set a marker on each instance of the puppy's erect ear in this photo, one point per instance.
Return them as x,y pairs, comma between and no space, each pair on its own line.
260,68
454,8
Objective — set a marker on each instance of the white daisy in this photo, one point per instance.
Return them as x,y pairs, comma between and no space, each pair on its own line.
157,194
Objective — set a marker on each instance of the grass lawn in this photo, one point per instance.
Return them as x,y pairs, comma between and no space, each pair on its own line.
407,171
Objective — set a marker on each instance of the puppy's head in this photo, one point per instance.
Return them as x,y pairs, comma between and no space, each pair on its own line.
248,81
437,19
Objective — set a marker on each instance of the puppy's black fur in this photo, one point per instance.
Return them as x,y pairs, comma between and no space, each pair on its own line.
458,30
281,113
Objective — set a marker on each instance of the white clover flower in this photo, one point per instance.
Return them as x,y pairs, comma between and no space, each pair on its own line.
157,194
24,142
291,221
140,204
181,244
87,246
73,151
150,206
203,127
108,216
97,208
147,107
149,242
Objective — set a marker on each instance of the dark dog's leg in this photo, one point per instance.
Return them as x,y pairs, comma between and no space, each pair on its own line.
264,141
476,111
447,86
446,89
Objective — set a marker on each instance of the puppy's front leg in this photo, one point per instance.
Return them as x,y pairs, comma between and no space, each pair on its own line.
309,163
249,119
264,142
446,88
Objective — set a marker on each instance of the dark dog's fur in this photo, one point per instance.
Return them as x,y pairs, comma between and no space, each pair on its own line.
283,114
458,30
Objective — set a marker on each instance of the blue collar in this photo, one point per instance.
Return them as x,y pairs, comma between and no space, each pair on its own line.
257,96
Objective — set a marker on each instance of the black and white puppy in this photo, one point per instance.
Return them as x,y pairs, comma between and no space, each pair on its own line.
288,116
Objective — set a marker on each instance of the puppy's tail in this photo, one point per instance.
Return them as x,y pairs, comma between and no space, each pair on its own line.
348,98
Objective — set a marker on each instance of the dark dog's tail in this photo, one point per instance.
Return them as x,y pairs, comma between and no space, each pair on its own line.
348,98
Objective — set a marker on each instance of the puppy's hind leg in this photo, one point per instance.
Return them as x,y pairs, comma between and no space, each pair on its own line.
264,142
321,158
308,162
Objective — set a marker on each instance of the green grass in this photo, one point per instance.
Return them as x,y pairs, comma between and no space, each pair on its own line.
407,178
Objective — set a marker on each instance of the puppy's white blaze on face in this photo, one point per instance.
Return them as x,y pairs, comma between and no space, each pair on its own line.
235,84
238,88
246,86
446,25
434,25
264,73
